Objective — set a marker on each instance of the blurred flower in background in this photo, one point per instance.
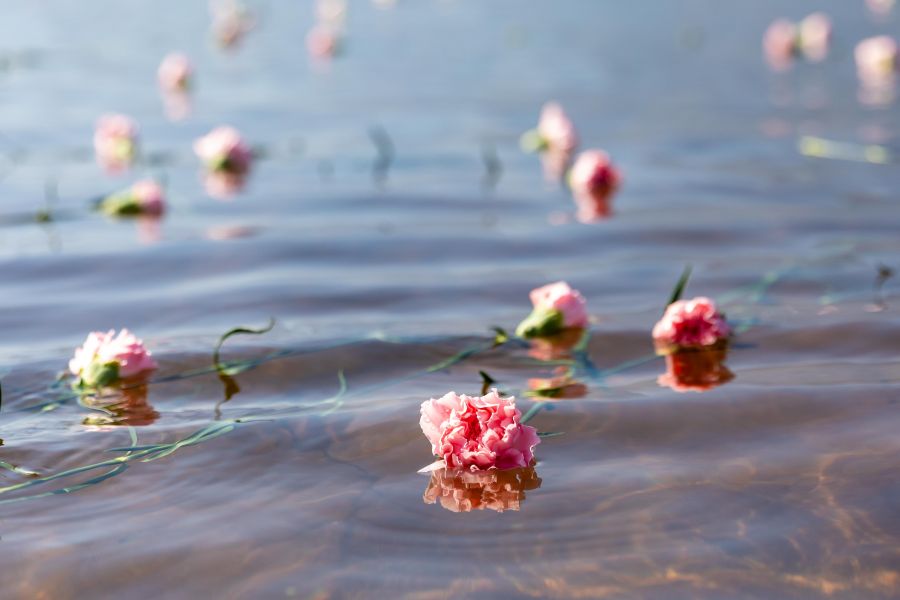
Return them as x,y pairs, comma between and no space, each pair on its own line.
593,181
116,142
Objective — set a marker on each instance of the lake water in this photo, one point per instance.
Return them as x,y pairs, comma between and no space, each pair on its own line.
780,483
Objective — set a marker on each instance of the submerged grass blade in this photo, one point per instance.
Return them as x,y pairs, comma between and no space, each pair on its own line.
237,331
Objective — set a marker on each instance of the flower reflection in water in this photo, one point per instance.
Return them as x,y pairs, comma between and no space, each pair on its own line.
556,347
222,185
696,370
464,491
119,406
561,386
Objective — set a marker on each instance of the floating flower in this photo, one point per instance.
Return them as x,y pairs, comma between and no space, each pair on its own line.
223,150
231,21
556,307
323,41
146,197
464,491
814,39
877,60
116,141
478,433
880,7
555,139
779,43
690,324
593,180
696,370
175,73
106,358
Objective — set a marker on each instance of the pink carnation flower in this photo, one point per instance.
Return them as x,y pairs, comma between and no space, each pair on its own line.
877,59
476,434
691,324
175,73
223,150
556,129
560,296
124,350
593,179
115,141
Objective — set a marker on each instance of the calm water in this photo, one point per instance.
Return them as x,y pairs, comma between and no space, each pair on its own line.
782,483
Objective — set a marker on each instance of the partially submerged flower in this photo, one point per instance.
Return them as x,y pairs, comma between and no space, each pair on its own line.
556,307
106,358
694,323
877,60
323,41
464,491
478,433
146,197
175,73
116,141
231,21
780,43
593,181
696,370
223,150
880,7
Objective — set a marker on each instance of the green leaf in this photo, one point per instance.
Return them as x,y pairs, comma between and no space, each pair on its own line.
237,331
679,287
500,336
99,375
486,382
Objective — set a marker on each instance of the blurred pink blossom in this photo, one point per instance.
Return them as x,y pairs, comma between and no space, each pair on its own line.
175,73
563,298
115,141
593,181
224,150
877,60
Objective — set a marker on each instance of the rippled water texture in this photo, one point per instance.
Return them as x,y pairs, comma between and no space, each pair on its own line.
771,474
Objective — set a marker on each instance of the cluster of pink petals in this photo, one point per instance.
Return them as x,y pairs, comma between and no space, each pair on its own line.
150,196
593,180
475,433
124,349
223,149
877,59
691,324
115,141
560,296
556,129
175,72
811,37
